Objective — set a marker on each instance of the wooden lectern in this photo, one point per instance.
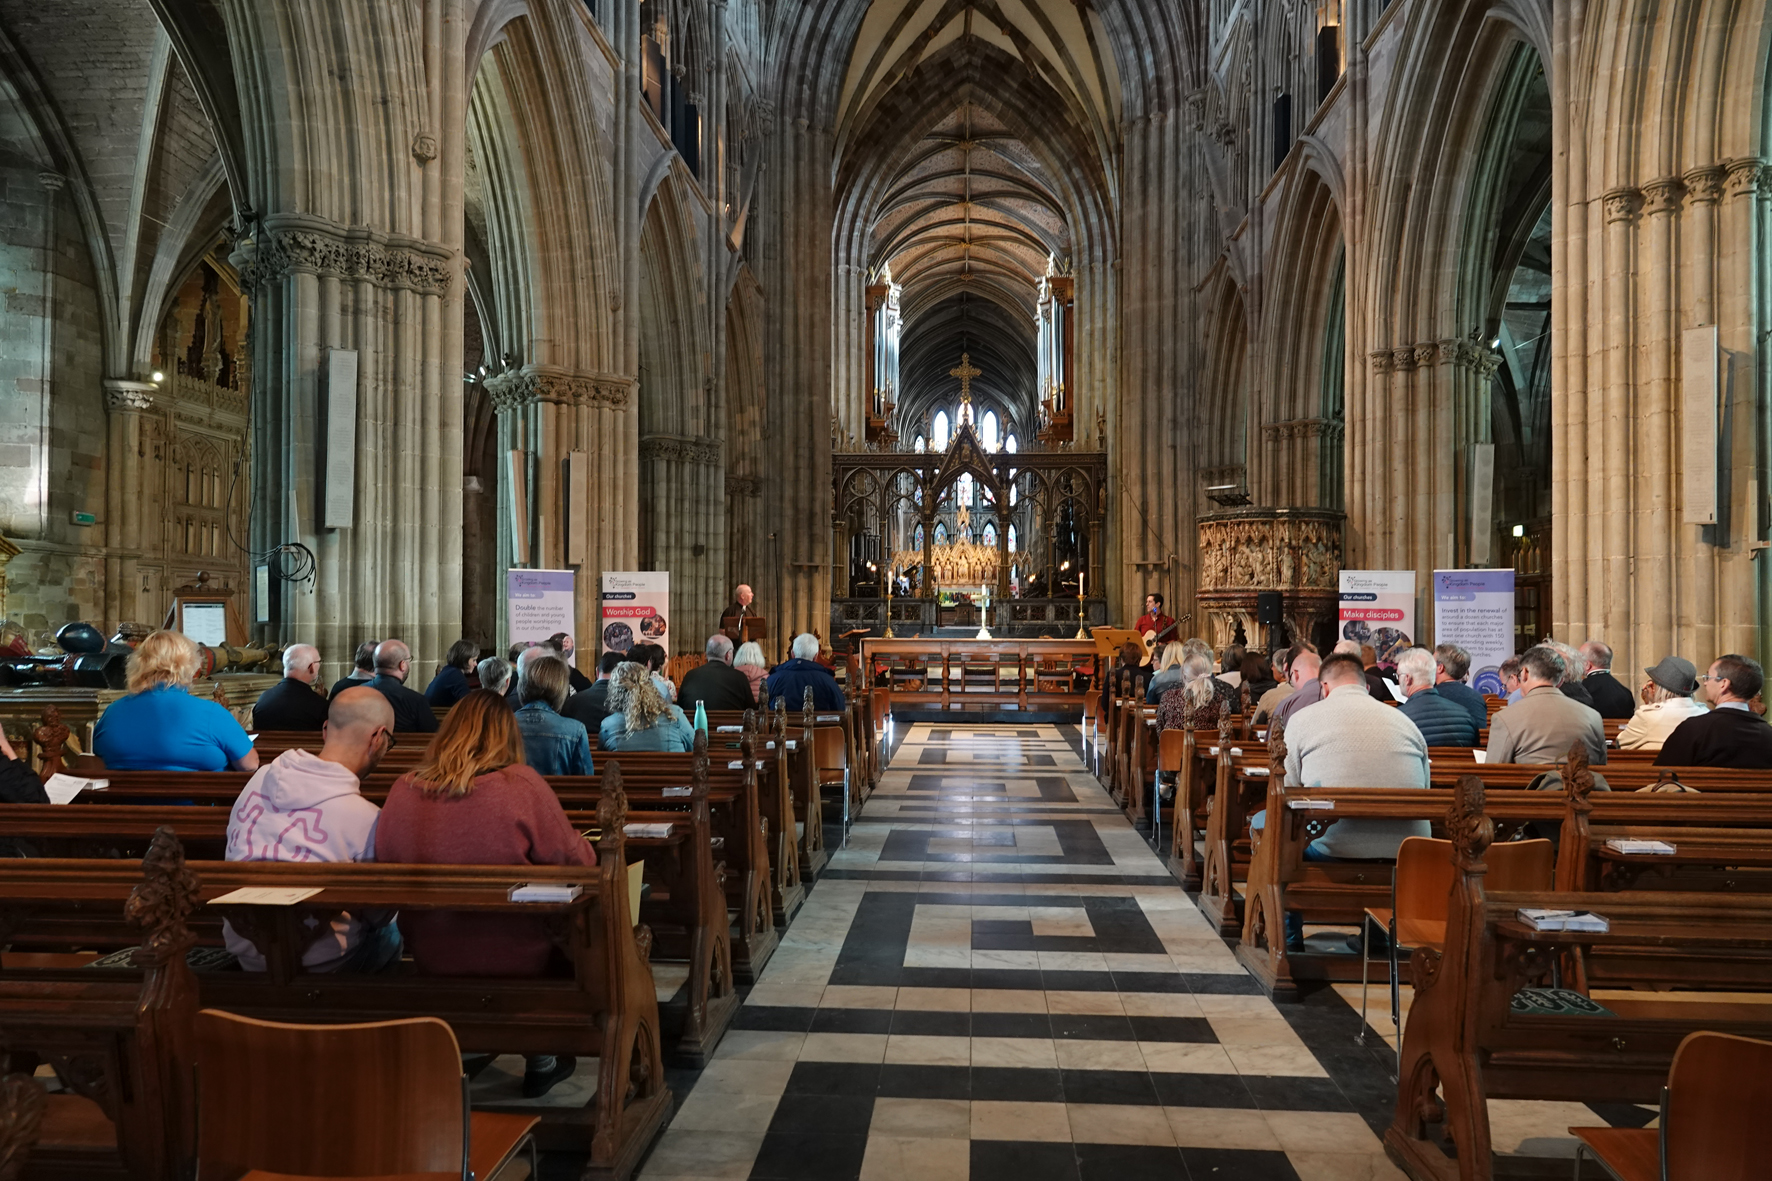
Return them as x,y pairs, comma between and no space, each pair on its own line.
742,629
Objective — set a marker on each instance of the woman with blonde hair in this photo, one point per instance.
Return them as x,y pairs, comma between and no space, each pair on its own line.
473,801
1197,701
639,716
160,726
1168,672
749,661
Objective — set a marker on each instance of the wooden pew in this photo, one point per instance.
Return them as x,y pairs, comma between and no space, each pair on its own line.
121,1041
606,1010
1463,1044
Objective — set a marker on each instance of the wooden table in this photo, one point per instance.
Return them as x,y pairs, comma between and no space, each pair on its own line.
1016,662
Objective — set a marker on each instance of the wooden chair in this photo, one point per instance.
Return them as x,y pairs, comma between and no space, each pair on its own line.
387,1097
1717,1090
1170,745
1421,891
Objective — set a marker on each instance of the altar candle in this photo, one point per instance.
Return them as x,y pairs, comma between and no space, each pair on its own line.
1079,582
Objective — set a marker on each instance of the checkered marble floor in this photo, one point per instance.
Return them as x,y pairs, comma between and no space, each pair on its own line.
998,979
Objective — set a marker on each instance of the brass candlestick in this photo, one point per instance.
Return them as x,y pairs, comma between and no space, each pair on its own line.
887,635
1081,634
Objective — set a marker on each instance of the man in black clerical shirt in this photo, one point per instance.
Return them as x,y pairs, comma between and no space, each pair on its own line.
716,684
292,704
412,713
1612,699
1731,734
732,619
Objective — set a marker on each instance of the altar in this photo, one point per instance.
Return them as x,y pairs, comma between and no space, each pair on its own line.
969,675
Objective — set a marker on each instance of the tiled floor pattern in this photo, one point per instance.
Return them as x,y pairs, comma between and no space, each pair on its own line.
998,979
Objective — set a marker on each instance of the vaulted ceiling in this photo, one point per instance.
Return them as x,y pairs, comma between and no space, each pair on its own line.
972,136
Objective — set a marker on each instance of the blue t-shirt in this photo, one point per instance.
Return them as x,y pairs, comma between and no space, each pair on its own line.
166,729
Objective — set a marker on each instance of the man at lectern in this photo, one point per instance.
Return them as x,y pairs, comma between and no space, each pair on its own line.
732,619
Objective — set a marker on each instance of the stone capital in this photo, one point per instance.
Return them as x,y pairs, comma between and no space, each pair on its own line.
1622,204
540,383
303,244
1664,195
1746,176
683,448
1704,186
1382,361
126,396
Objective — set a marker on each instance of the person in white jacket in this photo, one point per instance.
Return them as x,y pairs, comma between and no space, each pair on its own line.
1667,701
309,807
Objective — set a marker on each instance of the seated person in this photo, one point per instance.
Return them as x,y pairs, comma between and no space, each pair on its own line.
1348,739
474,802
450,684
1198,701
554,745
590,707
1264,708
791,678
750,661
1510,681
1545,723
292,704
1731,734
362,670
1442,722
1667,702
496,676
653,657
562,642
1454,665
1168,673
159,726
309,807
1258,675
393,664
18,785
716,685
640,718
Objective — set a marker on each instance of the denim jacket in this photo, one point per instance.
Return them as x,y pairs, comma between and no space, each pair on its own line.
552,744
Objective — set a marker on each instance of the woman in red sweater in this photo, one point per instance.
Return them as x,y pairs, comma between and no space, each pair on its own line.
473,801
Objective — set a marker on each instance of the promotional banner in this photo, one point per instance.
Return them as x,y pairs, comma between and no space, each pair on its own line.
540,604
636,608
1377,607
1475,610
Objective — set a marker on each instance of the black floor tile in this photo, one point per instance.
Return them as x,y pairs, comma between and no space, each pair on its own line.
1172,1029
900,1081
1077,981
1013,1160
1096,1027
834,1078
1171,982
1011,1025
1238,1164
1285,1093
803,1157
773,1017
1027,978
1221,984
1202,1090
852,1021
937,978
1009,1084
1109,1086
1130,1162
824,1115
909,1021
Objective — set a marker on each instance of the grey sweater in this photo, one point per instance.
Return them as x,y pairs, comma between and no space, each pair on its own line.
1348,739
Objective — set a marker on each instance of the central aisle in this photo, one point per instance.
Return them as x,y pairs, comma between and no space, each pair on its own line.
998,979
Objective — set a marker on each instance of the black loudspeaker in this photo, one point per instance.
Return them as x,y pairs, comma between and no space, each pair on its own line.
1267,608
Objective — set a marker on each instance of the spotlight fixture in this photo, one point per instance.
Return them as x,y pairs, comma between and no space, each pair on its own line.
1228,495
158,377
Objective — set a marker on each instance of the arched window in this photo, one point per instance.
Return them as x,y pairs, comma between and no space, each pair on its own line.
941,533
990,535
1009,443
963,489
940,431
919,536
921,444
990,430
1012,537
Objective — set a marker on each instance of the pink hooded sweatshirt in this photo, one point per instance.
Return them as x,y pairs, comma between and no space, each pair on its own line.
302,808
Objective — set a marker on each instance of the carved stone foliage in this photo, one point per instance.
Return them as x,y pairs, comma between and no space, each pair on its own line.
684,448
1465,353
743,486
336,253
529,385
1303,428
1270,549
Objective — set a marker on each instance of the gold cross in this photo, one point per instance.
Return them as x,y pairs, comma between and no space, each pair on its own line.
966,371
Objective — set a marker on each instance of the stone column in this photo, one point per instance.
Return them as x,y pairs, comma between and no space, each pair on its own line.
125,400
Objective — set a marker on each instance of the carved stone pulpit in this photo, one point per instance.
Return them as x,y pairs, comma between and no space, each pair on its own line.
1245,551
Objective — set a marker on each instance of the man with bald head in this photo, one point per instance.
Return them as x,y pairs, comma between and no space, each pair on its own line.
1307,690
732,619
309,807
412,713
292,704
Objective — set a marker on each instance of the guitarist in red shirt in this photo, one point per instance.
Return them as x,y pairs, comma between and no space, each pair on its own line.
1156,628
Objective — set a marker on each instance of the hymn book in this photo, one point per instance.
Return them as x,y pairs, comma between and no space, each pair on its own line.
62,789
266,896
545,892
1630,845
1562,920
